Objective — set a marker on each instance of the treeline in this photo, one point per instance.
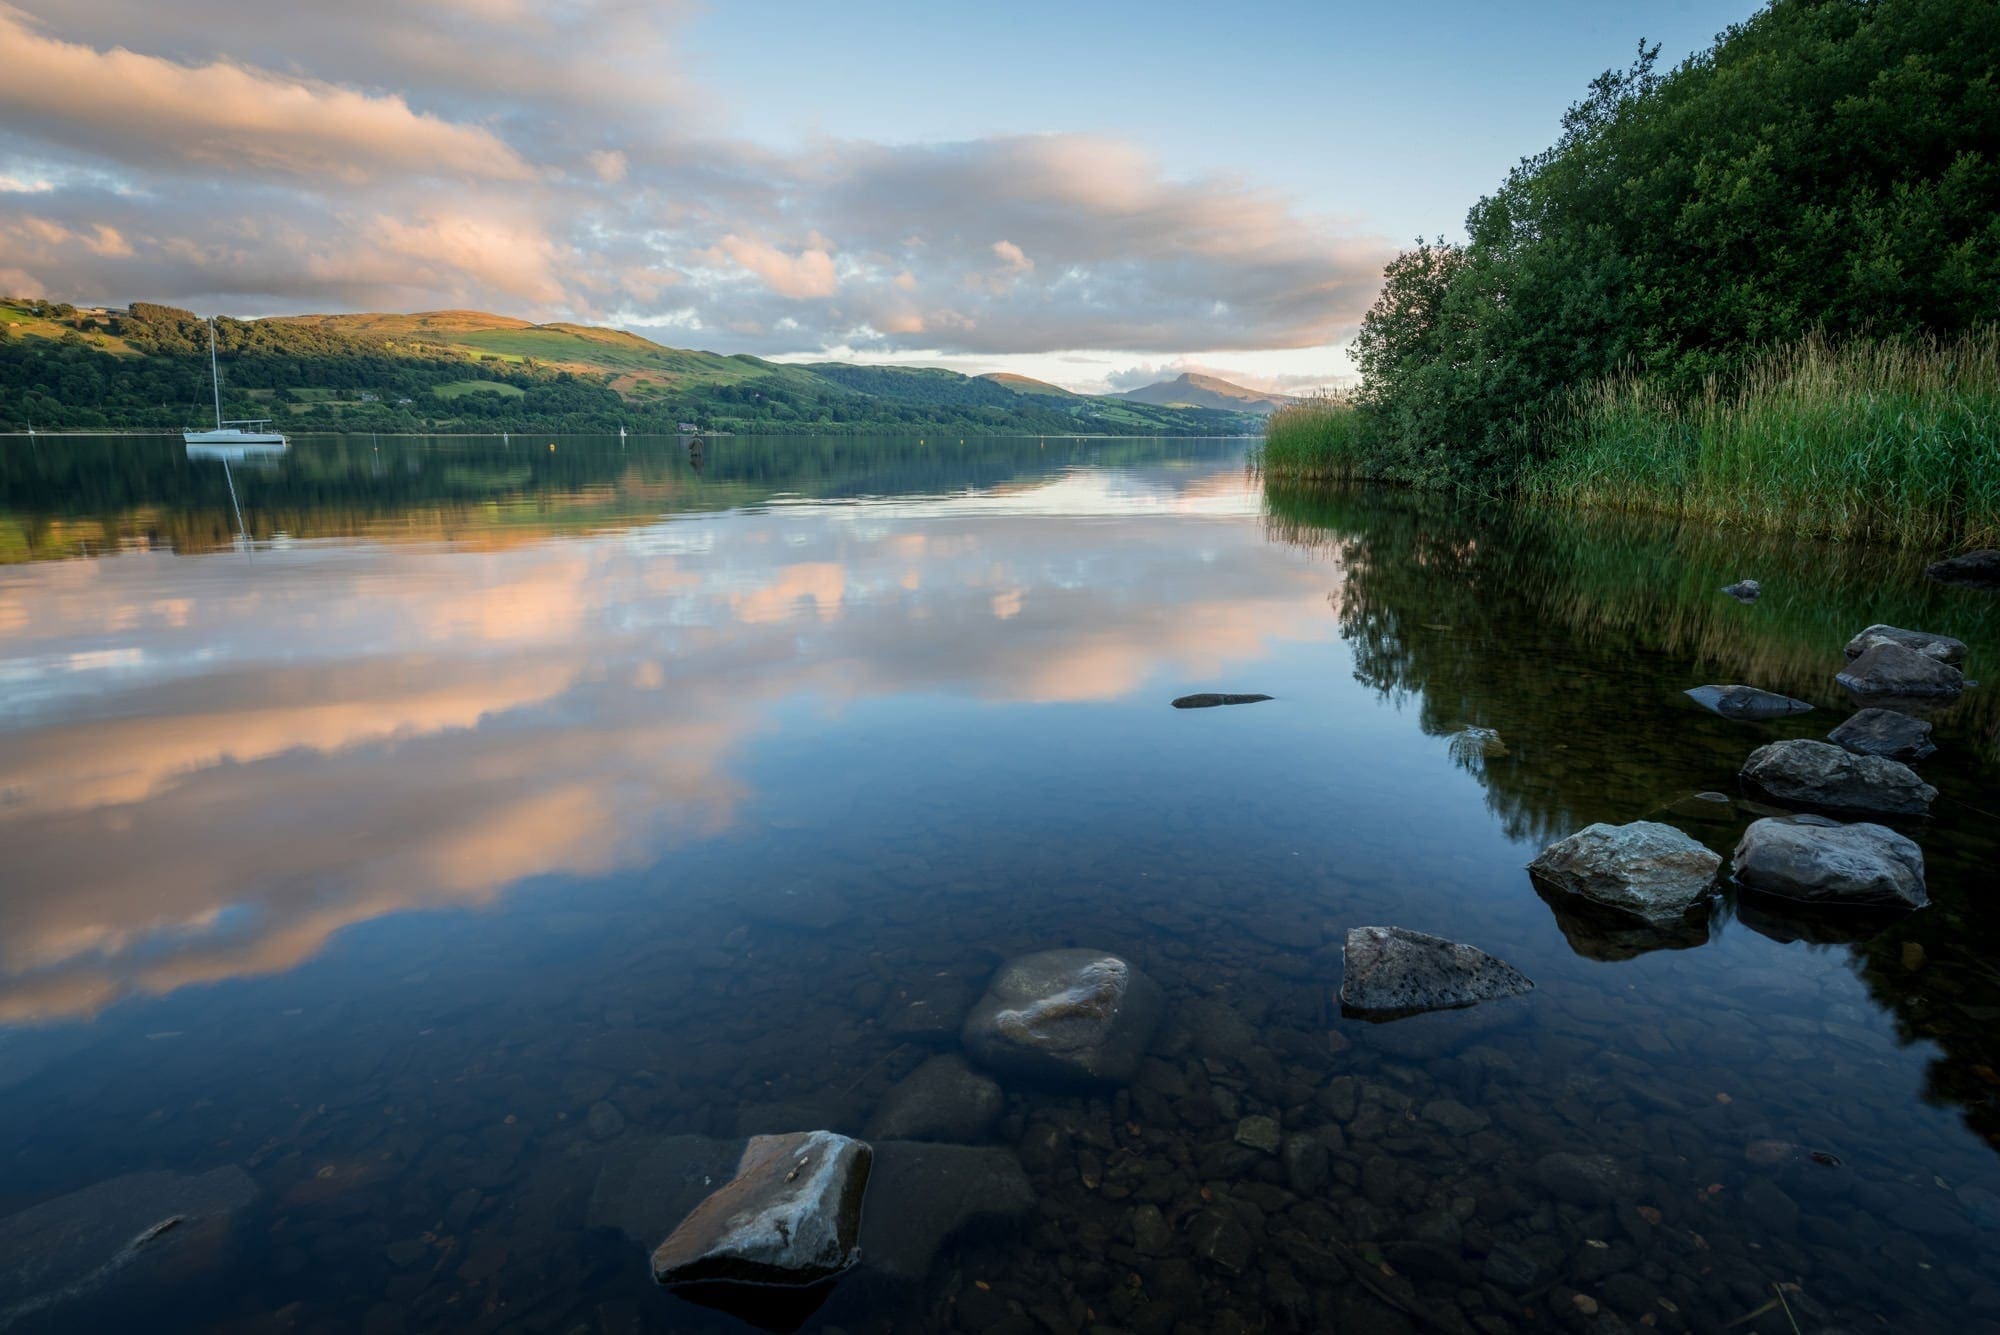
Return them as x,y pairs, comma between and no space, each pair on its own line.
148,369
1829,170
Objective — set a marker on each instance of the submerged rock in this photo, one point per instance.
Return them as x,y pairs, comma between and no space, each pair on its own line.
1892,669
1885,733
944,1099
1066,1015
1646,869
1973,570
1817,774
1583,1179
1746,702
1744,590
1821,861
1390,971
922,1196
113,1242
789,1217
1941,647
1209,700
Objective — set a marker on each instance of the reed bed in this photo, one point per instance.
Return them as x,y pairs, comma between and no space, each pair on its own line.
1895,440
1315,440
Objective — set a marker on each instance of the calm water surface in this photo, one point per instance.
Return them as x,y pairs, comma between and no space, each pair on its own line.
390,870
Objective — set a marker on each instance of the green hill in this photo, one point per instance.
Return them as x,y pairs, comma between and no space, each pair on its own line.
1022,384
146,367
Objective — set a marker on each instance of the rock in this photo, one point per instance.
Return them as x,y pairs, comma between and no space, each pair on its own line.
1512,1269
1151,1233
604,1121
1220,1239
1065,1015
126,1239
1646,869
921,1196
930,1011
1819,861
1209,700
1893,669
1973,570
1390,971
1259,1133
1583,1179
1598,933
1744,590
1816,774
1885,733
1455,1118
1770,1208
789,1217
1307,1162
1746,702
943,1099
1941,647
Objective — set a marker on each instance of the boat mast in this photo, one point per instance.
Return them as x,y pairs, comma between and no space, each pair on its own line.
214,376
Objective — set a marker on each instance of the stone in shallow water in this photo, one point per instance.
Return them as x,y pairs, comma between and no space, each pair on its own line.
1745,702
1644,868
1210,699
110,1242
1941,647
1259,1133
1888,668
944,1099
1081,1016
1819,861
790,1216
1390,971
1599,933
1818,774
1973,570
1744,590
921,1195
1583,1179
1885,733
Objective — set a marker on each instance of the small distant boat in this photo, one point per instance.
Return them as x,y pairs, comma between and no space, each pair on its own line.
237,433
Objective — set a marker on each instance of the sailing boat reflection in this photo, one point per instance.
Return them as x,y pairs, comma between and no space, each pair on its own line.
260,453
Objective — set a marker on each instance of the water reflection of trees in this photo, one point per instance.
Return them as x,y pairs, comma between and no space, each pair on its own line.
67,497
1548,628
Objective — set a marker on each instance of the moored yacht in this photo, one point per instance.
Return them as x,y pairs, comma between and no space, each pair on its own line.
237,432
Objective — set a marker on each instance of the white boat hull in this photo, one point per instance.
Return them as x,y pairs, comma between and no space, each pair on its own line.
230,436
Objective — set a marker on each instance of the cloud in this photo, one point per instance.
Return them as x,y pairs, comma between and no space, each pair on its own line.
142,110
301,169
806,275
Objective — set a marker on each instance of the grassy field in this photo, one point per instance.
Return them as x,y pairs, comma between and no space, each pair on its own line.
458,389
1885,440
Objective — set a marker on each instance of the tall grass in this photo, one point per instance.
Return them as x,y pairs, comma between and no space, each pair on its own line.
1315,440
1892,440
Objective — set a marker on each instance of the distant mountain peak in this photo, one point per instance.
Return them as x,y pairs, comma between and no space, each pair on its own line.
1193,389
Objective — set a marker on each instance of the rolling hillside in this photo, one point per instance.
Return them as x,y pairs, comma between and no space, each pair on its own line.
146,367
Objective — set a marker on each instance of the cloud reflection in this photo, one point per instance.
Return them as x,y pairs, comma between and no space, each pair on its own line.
270,751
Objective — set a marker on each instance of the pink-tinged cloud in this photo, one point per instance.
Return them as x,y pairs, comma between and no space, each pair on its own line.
144,110
804,276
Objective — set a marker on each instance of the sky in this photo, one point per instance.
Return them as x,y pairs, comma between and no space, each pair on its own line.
1098,195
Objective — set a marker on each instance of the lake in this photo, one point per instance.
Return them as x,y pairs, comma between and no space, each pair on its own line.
421,856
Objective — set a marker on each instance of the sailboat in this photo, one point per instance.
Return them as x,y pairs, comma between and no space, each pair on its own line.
235,434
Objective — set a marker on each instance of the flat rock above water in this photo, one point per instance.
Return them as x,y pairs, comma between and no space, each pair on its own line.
1888,668
1823,862
1746,702
1072,1016
1941,647
1818,774
1647,869
1886,733
1210,699
790,1215
1391,971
